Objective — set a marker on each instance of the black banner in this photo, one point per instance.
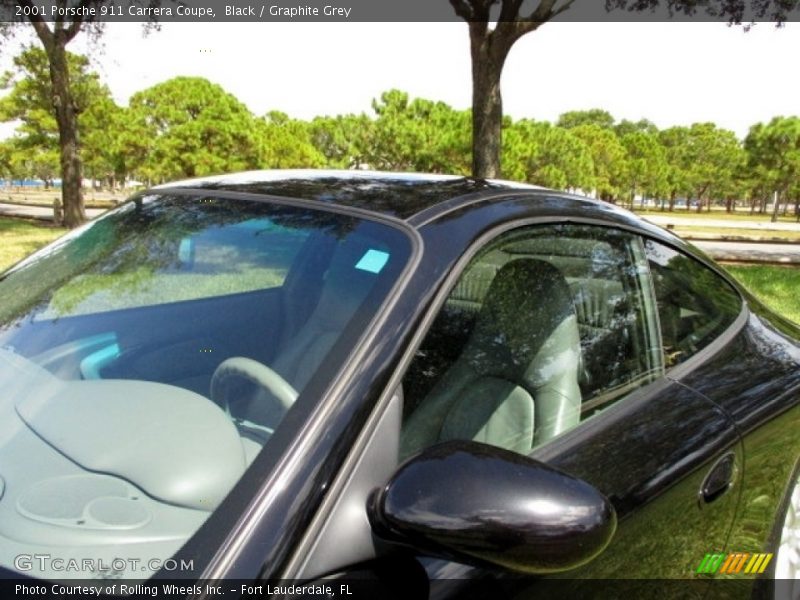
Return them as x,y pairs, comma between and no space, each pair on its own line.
367,588
256,11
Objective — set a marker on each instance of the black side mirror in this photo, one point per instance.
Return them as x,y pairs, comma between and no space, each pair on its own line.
482,505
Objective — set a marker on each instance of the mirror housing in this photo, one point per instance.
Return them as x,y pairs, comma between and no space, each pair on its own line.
483,505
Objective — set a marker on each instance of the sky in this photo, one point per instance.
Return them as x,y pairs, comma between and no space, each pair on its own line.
670,73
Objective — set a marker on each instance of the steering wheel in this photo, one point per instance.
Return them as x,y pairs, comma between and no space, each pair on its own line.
249,370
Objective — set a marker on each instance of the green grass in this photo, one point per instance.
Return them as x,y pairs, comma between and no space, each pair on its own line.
719,213
18,238
777,287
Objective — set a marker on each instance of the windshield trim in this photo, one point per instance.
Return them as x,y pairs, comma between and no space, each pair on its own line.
319,205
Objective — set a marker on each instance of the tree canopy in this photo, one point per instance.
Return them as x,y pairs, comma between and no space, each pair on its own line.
189,126
65,101
34,148
496,25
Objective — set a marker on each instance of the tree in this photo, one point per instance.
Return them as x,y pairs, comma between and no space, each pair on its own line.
285,143
38,162
594,116
646,165
54,37
625,127
30,101
418,135
609,158
104,126
774,152
489,48
6,170
675,143
343,140
713,158
190,127
541,153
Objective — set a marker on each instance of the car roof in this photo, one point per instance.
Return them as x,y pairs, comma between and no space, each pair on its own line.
417,198
422,198
400,195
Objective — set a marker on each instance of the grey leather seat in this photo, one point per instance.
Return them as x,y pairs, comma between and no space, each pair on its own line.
515,385
344,289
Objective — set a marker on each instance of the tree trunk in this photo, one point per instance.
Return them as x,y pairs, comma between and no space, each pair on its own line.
69,143
488,50
775,208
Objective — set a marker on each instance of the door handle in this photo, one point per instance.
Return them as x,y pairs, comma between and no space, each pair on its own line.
719,479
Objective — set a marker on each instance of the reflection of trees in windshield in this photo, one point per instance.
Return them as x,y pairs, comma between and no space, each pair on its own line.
402,197
134,256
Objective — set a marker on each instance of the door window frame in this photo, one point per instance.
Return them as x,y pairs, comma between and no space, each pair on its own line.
643,279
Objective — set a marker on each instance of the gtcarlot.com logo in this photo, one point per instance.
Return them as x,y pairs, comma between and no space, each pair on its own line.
47,562
735,562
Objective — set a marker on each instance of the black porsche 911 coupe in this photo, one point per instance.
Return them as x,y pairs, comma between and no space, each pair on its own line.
309,376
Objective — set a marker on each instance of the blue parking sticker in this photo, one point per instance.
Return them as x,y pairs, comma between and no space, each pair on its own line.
373,261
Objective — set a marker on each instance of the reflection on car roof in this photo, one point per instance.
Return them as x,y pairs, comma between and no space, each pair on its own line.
400,195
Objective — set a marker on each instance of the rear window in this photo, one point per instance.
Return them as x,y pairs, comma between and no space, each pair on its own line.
695,304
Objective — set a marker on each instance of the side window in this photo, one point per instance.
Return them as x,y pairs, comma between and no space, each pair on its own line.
695,304
546,326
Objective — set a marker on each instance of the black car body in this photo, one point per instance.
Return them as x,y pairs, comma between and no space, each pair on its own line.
675,402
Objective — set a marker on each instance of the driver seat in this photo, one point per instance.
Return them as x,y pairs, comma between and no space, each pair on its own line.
515,384
344,289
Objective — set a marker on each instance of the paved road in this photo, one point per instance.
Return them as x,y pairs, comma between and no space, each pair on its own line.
743,251
45,213
689,221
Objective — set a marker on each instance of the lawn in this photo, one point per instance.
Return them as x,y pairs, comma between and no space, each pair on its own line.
18,238
777,287
739,215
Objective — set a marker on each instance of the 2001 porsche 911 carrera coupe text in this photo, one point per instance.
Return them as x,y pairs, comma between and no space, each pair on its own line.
301,379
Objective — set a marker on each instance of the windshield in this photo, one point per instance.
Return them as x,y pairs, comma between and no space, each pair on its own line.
147,358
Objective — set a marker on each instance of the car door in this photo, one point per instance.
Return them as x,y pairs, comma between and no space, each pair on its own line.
668,458
753,376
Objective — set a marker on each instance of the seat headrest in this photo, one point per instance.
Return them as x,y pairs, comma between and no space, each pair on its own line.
527,300
345,286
